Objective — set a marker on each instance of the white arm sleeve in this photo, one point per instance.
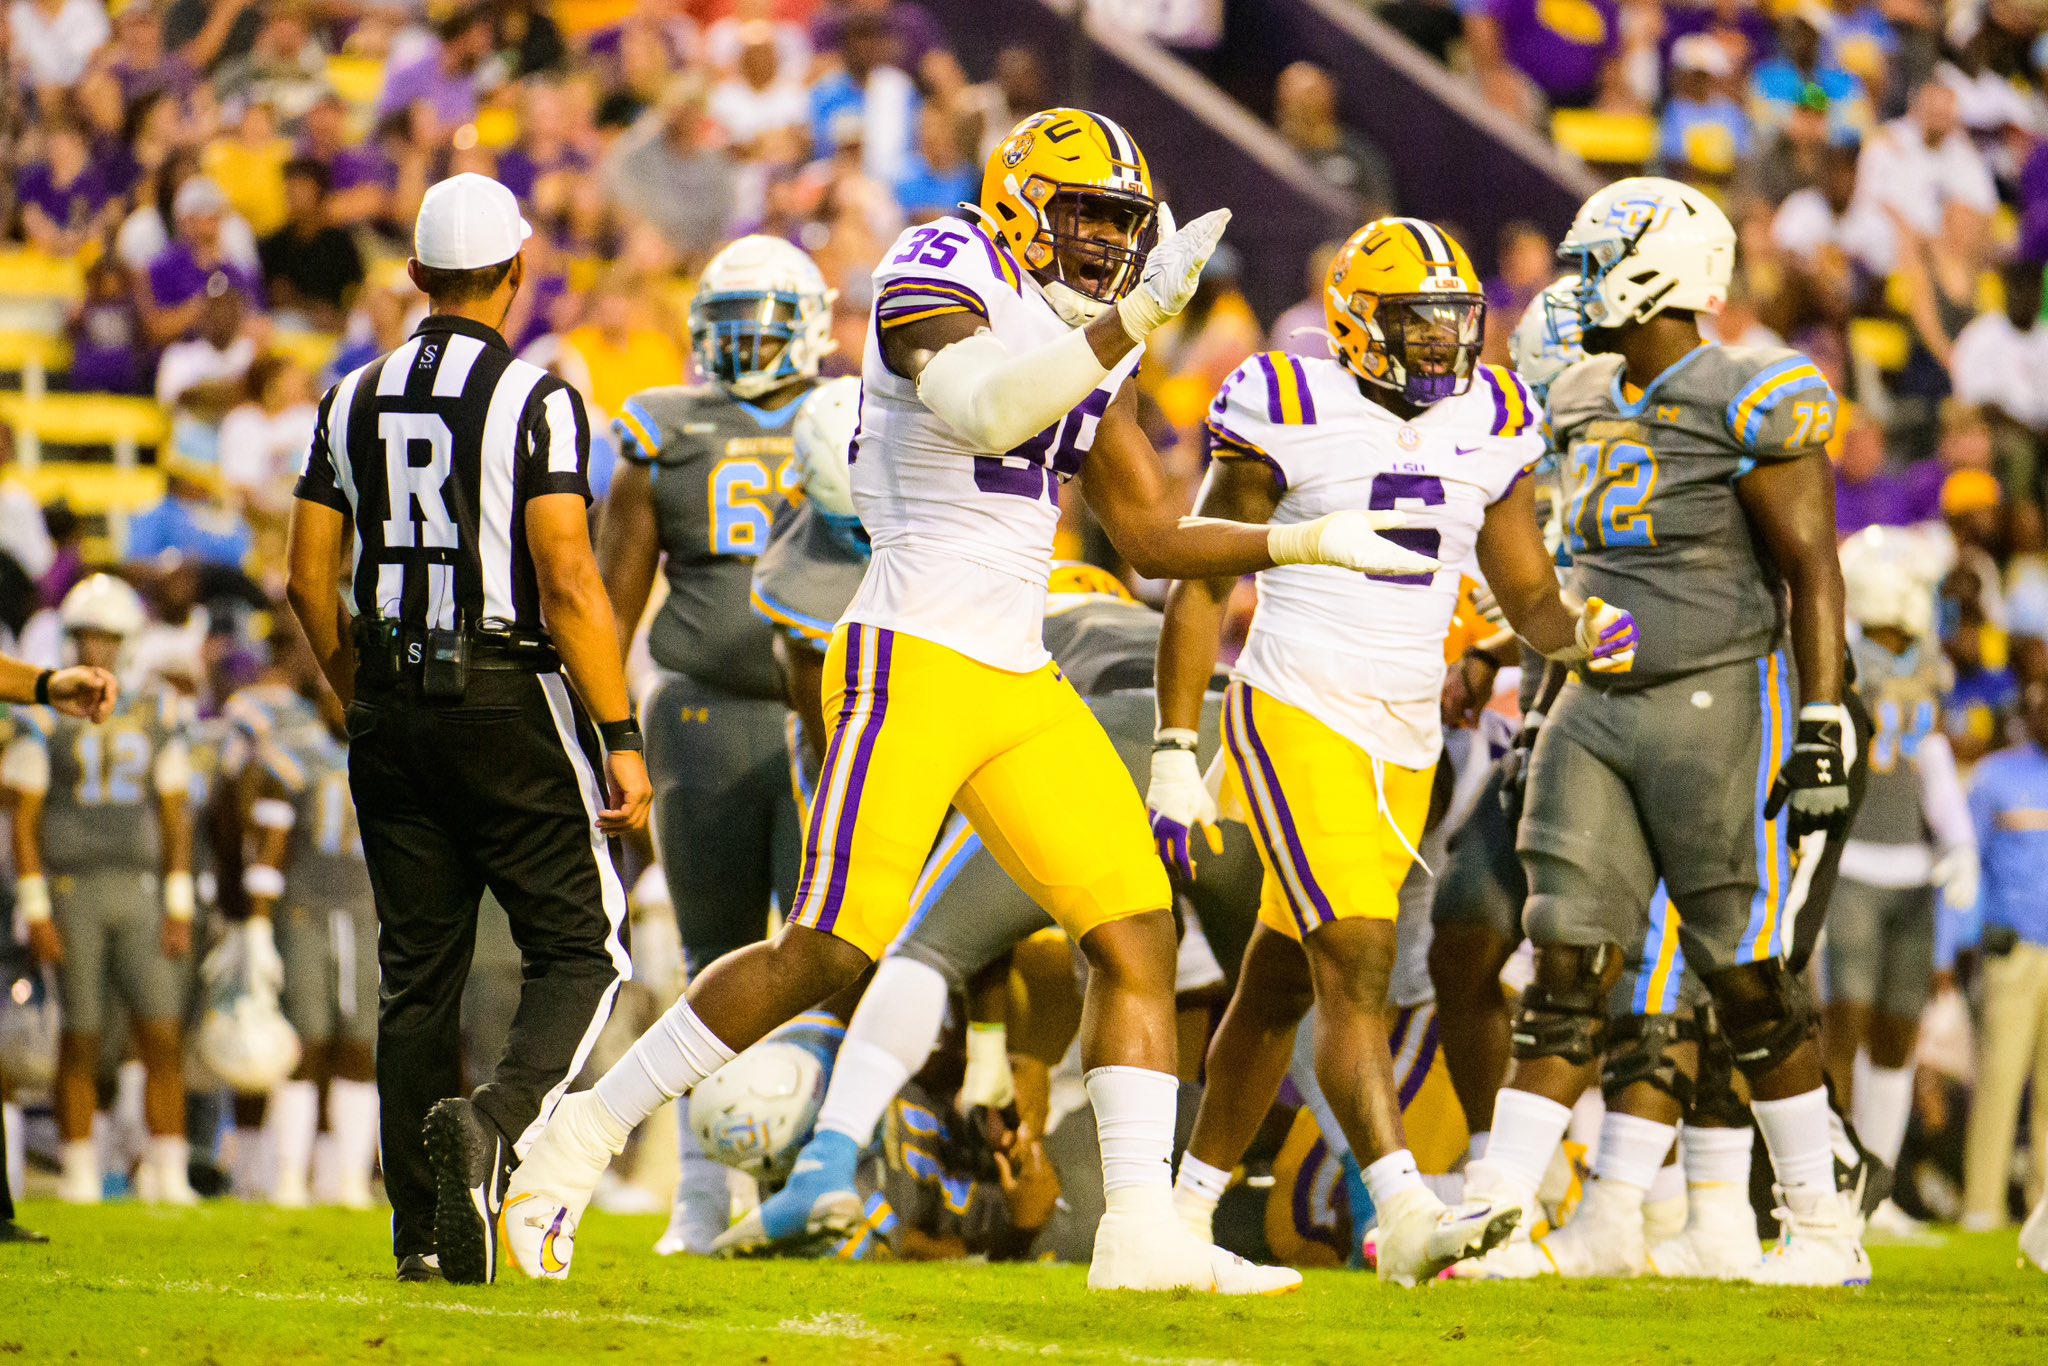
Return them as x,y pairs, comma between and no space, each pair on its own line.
1941,794
173,770
25,767
997,401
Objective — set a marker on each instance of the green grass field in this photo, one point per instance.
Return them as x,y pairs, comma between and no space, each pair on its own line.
242,1284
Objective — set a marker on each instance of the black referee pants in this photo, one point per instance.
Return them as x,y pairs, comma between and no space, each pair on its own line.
499,790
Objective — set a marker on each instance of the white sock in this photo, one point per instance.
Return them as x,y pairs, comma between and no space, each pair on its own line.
1134,1122
170,1155
1632,1149
1201,1181
1669,1183
1526,1130
889,1037
1476,1148
352,1120
1884,1104
1795,1131
1716,1157
1392,1177
675,1053
81,1155
128,1125
251,1167
701,1180
15,1159
293,1118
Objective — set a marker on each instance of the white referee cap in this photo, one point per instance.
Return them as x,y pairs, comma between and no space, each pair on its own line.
467,222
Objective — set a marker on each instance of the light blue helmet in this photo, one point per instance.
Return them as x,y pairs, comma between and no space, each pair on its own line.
1546,341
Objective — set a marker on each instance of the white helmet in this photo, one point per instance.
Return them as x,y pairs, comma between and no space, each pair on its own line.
1882,573
248,1043
28,1021
824,431
756,291
1646,245
1546,342
754,1113
102,602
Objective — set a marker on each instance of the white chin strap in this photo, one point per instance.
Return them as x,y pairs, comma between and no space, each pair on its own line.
1075,308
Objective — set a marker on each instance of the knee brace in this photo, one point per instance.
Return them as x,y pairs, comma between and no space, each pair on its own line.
1639,1051
1715,1102
1564,1011
1765,1013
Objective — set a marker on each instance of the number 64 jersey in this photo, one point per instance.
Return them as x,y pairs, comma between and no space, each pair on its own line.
963,541
1364,655
1651,515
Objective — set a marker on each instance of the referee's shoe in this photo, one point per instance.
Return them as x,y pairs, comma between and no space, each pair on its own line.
472,1164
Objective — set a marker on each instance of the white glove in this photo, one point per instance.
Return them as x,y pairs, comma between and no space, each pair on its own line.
1349,540
1180,803
261,962
1172,270
1607,637
1957,873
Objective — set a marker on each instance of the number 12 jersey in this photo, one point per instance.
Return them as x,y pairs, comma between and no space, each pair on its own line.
963,541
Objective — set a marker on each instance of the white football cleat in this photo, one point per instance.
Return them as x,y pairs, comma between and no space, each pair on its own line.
551,1188
1604,1238
1820,1247
1719,1242
80,1183
1197,1213
291,1193
1663,1220
1134,1253
1419,1236
1890,1224
2034,1236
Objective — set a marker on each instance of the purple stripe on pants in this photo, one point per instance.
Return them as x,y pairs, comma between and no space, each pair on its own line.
849,812
1286,832
812,837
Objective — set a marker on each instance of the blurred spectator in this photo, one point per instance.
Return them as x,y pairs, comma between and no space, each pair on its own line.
870,93
554,147
667,172
938,176
382,324
1794,155
194,264
24,537
1301,330
759,97
310,267
1783,83
248,165
526,36
1305,114
2009,806
202,377
263,438
140,62
1562,47
1014,92
1814,219
1915,166
109,354
1973,509
52,40
207,31
1867,494
1703,127
358,177
445,80
909,28
2000,360
286,69
622,348
190,524
65,201
1528,263
726,36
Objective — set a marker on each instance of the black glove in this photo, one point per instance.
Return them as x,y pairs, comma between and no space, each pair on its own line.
1514,768
1814,780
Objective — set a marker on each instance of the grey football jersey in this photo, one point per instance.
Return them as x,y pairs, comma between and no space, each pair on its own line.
721,468
807,576
1903,694
1651,516
286,734
100,813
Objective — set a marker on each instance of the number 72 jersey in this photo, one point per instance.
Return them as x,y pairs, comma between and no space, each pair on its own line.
963,540
1651,515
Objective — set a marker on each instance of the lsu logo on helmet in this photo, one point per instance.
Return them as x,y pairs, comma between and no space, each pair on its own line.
1055,170
1405,310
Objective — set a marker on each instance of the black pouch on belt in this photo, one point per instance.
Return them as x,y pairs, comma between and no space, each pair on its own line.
445,675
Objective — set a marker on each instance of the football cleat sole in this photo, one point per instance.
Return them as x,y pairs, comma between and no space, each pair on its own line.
467,1156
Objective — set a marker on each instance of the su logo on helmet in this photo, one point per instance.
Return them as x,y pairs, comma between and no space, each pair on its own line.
1637,215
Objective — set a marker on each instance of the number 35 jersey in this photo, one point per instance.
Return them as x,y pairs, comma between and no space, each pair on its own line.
1364,655
1651,515
963,540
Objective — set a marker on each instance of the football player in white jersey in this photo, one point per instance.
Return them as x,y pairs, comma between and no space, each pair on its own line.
999,360
1332,726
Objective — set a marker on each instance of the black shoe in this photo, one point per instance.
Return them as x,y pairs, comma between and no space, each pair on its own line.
11,1232
418,1267
472,1163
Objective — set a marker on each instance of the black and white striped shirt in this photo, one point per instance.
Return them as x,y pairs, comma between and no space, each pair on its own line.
432,452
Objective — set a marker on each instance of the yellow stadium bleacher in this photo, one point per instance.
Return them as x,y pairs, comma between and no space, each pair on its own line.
1606,139
28,273
1884,342
92,489
123,424
358,80
34,355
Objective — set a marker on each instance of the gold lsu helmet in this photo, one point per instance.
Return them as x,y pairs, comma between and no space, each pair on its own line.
1078,578
1405,310
1055,172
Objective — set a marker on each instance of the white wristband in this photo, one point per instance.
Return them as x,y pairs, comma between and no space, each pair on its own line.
181,900
32,898
988,1080
261,879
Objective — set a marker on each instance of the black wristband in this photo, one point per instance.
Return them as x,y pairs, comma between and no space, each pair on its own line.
621,737
43,687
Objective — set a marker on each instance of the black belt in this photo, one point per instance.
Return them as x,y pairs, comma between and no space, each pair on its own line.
391,651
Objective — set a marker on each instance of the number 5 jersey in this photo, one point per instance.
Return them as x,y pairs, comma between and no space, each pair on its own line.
1651,515
963,540
1361,654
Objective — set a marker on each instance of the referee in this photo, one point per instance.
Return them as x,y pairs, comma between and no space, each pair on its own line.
457,477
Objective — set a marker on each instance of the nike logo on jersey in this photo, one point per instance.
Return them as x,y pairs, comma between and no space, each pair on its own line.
1468,450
